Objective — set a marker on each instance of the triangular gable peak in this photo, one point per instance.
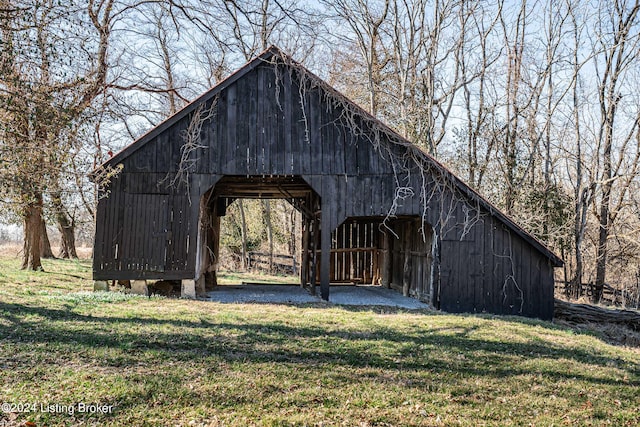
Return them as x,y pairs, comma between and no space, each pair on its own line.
189,108
382,135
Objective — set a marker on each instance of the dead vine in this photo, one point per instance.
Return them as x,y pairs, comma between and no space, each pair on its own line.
511,276
191,137
435,182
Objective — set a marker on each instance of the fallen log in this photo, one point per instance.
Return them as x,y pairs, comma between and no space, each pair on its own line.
585,313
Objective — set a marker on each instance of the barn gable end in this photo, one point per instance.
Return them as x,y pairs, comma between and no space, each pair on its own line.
276,130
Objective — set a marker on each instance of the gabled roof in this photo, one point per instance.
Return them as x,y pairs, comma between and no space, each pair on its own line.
274,52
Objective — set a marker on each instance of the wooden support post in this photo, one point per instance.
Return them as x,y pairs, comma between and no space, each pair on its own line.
375,267
337,257
315,238
212,270
325,257
386,259
200,287
344,273
375,254
353,256
362,256
304,267
332,265
406,271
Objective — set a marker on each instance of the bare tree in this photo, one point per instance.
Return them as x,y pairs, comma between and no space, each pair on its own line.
582,186
365,20
476,60
39,99
617,49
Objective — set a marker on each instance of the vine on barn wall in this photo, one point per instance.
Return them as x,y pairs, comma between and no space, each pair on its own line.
373,131
102,178
192,144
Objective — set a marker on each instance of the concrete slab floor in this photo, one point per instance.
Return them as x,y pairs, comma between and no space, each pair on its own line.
289,294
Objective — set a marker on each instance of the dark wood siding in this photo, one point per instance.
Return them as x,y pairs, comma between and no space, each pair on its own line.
495,272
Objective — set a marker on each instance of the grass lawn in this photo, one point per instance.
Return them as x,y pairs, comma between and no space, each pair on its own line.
171,362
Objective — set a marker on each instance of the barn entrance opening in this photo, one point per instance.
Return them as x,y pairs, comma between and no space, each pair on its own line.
261,240
221,228
394,253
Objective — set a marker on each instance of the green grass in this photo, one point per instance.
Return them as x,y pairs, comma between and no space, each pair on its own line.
172,362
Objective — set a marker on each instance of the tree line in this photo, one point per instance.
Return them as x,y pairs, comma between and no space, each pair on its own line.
533,103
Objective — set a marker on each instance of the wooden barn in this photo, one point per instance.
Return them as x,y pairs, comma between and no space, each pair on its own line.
376,209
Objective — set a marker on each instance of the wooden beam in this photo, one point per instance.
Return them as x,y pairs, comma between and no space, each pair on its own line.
212,270
375,268
306,236
315,239
386,259
325,243
406,271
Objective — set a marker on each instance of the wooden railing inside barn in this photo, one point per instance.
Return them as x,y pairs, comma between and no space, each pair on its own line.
355,254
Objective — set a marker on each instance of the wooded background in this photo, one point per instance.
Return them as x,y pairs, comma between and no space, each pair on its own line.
533,103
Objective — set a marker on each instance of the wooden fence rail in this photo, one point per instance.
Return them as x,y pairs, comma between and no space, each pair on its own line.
610,295
286,264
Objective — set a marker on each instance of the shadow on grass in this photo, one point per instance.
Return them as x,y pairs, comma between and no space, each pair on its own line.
432,349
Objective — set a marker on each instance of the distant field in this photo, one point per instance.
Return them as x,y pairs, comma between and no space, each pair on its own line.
171,362
12,250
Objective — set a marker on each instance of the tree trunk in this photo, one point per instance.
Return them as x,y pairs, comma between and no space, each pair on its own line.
32,223
602,247
67,240
622,46
582,203
575,290
605,215
267,220
45,243
66,226
582,194
243,234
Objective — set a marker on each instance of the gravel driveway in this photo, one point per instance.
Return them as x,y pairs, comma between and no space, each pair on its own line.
289,294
